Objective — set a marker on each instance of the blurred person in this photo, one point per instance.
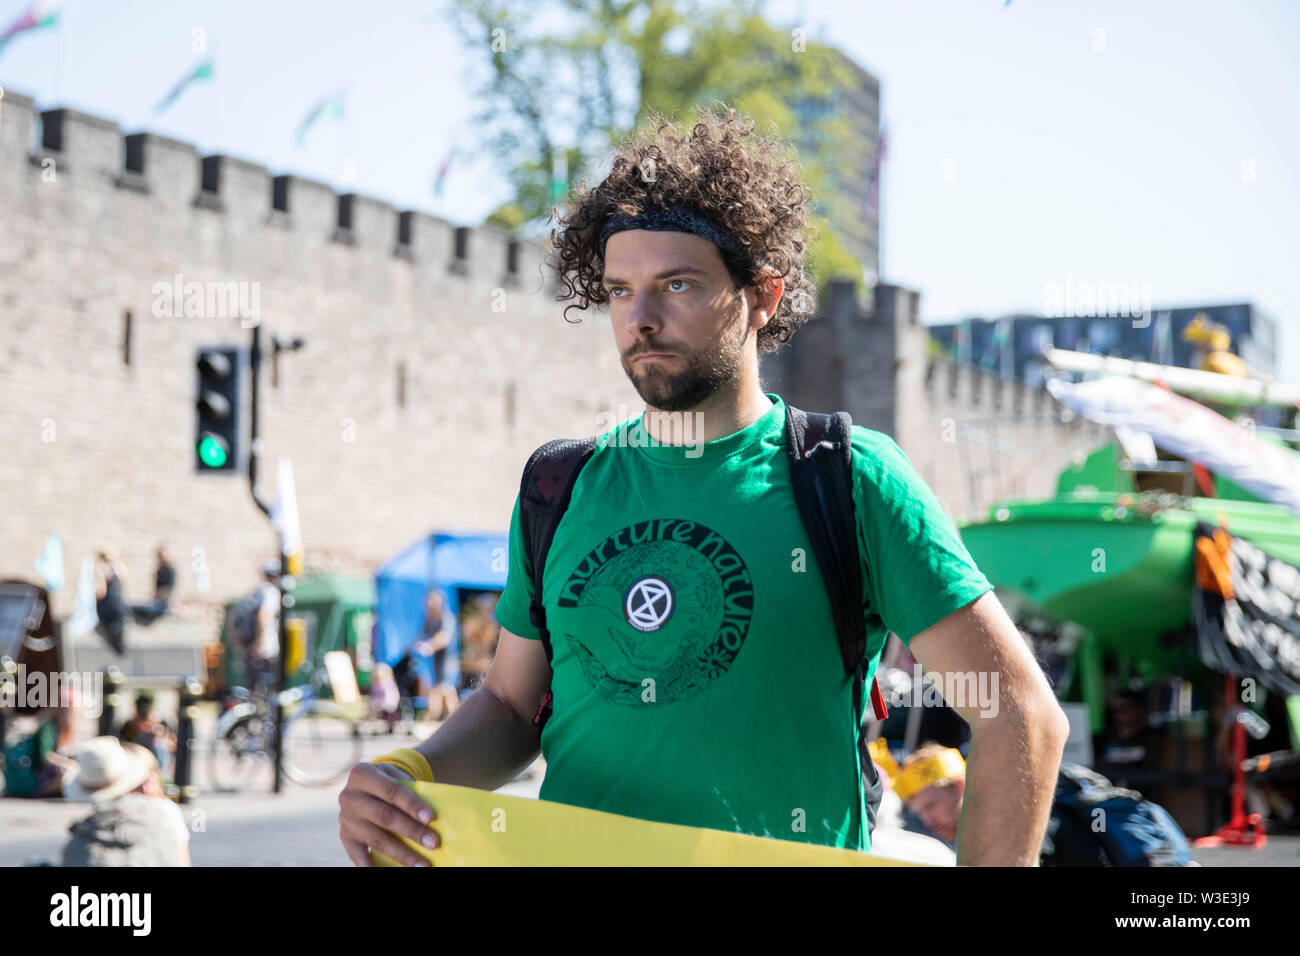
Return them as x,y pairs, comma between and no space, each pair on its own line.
385,697
896,835
263,654
149,732
1130,740
437,634
694,264
932,782
478,640
110,578
406,672
164,585
38,766
132,822
434,643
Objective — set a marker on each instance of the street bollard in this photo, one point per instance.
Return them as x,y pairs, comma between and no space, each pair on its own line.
8,697
113,681
191,690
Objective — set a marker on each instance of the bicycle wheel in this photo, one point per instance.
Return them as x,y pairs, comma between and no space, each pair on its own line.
321,744
240,758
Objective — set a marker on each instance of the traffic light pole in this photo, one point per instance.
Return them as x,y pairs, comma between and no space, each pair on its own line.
254,453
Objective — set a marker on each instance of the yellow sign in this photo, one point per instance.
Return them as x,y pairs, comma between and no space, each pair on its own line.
483,828
295,632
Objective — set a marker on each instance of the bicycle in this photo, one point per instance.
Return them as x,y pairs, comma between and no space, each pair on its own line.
321,742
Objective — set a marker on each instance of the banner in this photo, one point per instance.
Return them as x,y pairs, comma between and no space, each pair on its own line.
1189,430
1246,609
483,828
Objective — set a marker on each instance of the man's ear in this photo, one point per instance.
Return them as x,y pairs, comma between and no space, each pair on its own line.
767,290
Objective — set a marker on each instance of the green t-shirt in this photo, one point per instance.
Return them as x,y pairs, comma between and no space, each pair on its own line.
696,674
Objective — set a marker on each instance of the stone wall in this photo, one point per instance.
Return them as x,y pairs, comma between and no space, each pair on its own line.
973,437
436,358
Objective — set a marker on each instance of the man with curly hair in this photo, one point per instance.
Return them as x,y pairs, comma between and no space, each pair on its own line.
696,677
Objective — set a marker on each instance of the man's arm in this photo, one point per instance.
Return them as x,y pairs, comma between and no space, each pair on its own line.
484,744
1018,731
491,738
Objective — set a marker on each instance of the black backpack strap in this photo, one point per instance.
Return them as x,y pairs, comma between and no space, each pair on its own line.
544,493
821,473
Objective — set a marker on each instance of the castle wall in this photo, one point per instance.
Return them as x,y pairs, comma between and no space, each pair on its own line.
426,378
972,436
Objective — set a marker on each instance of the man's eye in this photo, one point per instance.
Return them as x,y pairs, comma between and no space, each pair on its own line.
613,289
687,281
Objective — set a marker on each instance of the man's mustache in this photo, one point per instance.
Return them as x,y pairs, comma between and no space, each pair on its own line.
649,350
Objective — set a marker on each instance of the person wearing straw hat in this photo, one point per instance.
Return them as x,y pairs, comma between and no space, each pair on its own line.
133,824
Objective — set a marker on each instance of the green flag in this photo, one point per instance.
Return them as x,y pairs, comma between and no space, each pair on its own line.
38,15
202,71
331,106
559,178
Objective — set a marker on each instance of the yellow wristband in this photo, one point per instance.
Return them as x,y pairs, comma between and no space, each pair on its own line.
409,760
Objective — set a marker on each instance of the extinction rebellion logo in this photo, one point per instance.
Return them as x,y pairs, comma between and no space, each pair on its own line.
649,603
666,600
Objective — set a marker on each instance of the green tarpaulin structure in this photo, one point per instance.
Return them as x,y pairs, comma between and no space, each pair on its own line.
338,613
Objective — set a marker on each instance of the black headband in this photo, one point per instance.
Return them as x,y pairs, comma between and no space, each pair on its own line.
671,220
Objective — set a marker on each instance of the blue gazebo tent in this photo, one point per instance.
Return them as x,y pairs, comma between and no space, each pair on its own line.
449,561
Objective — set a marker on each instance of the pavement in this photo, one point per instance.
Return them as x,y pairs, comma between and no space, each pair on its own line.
297,827
255,827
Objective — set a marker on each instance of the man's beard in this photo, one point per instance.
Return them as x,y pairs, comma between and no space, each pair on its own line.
705,372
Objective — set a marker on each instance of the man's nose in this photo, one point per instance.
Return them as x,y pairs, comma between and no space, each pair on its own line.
642,314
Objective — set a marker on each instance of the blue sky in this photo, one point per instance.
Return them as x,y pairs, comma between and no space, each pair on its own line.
1109,141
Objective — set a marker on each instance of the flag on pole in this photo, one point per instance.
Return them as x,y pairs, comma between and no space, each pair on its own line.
559,178
44,13
872,208
331,106
994,346
84,616
202,71
961,342
50,564
441,179
284,517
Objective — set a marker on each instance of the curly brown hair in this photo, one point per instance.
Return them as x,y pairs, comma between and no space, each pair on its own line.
744,182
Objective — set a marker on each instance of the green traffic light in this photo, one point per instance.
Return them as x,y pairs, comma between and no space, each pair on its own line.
213,451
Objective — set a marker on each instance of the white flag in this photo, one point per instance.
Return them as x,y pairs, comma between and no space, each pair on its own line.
284,513
50,564
1189,430
84,616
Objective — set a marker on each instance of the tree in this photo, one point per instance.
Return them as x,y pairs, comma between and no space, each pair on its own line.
563,80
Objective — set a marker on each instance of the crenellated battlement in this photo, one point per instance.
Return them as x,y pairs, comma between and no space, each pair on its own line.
979,388
95,154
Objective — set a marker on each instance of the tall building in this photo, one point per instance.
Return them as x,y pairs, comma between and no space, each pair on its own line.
850,200
975,438
1010,345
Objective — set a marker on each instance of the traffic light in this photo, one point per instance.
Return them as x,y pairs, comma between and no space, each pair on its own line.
218,443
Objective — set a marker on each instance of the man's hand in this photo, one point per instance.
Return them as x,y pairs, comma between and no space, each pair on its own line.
484,744
373,807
